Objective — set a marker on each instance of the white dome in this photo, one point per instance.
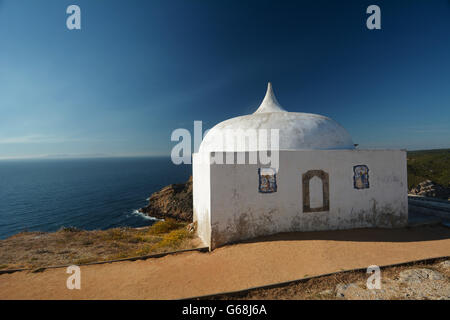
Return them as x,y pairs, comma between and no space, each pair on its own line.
297,131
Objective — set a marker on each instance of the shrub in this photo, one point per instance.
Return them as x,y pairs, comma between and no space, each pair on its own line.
174,238
145,250
165,226
69,229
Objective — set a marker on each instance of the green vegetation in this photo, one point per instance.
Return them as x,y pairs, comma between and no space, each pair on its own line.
174,239
165,226
173,235
431,165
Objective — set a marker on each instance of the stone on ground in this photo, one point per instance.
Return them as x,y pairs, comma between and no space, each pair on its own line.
445,264
419,275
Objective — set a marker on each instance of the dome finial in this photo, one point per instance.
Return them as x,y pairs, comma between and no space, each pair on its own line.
270,102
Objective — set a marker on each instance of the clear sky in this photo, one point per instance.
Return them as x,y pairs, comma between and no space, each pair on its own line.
137,70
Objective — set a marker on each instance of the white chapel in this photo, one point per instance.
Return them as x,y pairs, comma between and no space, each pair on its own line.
289,171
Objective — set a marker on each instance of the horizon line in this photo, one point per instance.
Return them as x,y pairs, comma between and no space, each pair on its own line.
81,156
109,156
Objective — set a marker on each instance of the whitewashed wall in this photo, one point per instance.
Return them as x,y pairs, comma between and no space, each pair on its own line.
201,190
238,211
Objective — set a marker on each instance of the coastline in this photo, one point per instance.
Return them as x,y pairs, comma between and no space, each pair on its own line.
173,201
91,194
75,246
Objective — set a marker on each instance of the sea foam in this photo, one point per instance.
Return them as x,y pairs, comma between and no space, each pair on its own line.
138,213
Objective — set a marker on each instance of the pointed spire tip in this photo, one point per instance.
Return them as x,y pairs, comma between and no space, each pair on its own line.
270,102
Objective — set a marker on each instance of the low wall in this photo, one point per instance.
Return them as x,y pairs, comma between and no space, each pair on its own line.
429,206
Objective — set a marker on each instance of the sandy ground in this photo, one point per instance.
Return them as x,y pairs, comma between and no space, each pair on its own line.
263,261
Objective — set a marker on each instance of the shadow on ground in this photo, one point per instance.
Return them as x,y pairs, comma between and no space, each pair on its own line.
408,234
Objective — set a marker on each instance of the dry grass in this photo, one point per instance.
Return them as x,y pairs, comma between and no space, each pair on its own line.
75,246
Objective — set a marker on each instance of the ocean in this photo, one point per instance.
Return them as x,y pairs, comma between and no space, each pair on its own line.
45,195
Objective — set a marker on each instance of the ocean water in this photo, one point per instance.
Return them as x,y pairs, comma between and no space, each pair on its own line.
44,195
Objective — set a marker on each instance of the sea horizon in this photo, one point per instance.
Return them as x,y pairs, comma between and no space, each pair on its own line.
86,193
75,157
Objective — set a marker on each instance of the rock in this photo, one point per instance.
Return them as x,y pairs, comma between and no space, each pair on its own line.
445,264
429,188
191,227
173,201
342,289
326,292
419,275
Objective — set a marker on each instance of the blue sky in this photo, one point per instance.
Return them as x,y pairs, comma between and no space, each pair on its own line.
140,69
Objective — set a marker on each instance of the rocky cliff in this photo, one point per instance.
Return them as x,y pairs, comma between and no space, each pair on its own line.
429,188
173,201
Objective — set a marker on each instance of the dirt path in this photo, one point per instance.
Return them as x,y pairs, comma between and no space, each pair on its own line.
269,260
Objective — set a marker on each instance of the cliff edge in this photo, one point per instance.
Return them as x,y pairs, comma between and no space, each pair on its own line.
173,201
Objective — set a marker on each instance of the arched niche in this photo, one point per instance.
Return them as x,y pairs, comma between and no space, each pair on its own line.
306,178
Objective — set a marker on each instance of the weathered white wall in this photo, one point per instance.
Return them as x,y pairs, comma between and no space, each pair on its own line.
238,211
201,191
